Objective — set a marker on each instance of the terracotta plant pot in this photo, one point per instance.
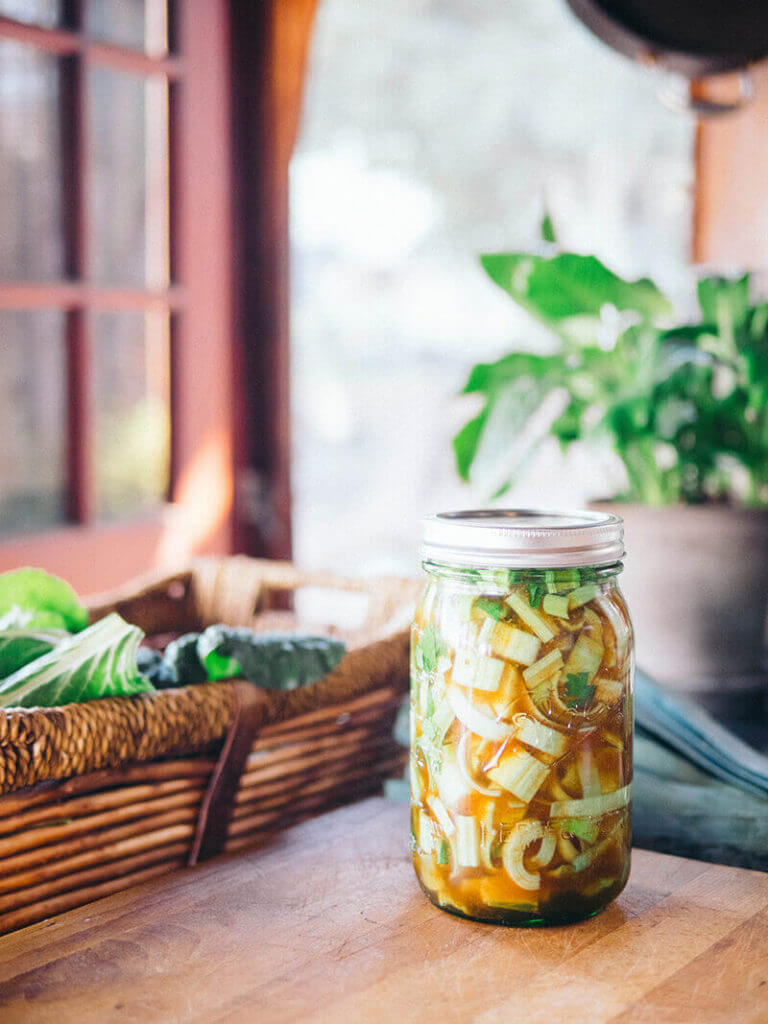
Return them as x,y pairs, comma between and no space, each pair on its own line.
696,581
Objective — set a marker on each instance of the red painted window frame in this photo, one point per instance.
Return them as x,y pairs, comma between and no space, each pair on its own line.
199,515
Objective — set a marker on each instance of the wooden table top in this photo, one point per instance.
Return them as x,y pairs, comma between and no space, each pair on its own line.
329,925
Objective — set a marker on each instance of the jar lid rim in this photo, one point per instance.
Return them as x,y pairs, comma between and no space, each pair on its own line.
523,538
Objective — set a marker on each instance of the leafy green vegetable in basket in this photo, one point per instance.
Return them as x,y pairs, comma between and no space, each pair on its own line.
278,661
98,662
213,649
18,647
158,671
184,662
49,601
15,618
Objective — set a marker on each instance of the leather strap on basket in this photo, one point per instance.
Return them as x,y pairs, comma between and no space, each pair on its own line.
216,808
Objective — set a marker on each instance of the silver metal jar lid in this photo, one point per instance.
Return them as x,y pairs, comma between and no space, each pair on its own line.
522,538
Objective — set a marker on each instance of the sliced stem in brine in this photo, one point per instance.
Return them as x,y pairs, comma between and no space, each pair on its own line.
520,773
592,806
524,835
467,841
539,736
467,773
474,720
534,619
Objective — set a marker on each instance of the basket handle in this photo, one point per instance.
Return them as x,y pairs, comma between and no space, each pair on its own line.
391,593
249,714
233,589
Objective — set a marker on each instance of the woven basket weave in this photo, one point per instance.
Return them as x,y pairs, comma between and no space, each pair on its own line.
104,795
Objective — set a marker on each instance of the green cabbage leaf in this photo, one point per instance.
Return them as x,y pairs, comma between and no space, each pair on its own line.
19,646
49,602
98,662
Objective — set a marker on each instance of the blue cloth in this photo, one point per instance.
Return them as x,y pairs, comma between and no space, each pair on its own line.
698,791
696,736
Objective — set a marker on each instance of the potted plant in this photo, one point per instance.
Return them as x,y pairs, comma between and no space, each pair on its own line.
685,408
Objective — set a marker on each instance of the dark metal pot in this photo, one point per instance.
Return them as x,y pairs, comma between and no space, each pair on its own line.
695,38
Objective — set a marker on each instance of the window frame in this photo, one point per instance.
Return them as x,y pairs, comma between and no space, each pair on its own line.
270,49
199,302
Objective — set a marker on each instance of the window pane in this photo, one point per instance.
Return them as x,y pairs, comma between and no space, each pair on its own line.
139,24
132,399
432,132
32,421
31,240
46,13
129,181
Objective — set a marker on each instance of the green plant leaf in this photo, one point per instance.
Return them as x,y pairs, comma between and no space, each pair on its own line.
278,661
98,662
568,427
569,285
684,408
547,228
502,489
52,602
758,323
725,302
467,441
488,377
512,399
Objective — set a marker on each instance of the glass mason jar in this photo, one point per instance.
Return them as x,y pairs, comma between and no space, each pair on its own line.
521,716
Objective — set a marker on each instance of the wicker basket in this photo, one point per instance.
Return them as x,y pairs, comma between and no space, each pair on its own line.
105,795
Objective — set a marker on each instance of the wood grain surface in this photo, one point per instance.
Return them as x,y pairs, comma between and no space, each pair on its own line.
328,925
